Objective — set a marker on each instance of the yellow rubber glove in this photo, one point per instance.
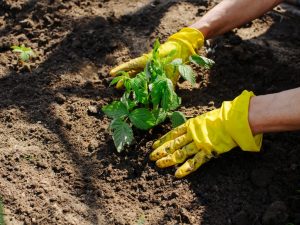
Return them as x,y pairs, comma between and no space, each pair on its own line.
183,44
206,136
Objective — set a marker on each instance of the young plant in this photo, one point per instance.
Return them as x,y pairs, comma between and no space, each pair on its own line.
149,97
25,54
1,212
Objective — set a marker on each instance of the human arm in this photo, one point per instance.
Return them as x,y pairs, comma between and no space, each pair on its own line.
225,16
275,112
238,123
230,14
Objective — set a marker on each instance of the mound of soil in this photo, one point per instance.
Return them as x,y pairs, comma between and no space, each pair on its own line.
58,164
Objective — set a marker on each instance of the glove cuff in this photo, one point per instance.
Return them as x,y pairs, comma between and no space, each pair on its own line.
191,37
237,124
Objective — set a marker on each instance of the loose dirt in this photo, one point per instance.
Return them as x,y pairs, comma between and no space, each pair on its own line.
58,164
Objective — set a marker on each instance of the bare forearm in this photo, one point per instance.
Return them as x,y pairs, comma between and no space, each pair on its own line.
275,112
230,14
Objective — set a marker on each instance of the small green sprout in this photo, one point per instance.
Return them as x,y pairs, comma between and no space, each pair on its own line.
141,220
25,53
1,212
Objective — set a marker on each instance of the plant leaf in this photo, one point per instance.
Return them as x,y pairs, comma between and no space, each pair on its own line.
24,56
202,61
160,115
170,100
163,93
127,84
139,85
1,212
25,53
122,134
116,80
115,110
187,73
177,118
156,91
127,102
142,118
155,48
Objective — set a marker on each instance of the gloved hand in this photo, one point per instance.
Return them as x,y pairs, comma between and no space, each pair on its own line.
183,44
206,136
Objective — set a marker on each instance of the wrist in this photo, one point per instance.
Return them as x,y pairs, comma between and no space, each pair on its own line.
275,112
253,118
204,28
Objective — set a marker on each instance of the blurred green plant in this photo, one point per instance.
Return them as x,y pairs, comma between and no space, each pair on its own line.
141,220
25,53
1,212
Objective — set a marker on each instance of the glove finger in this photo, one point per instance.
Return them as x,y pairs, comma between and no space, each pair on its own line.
176,132
170,147
179,156
135,65
192,164
120,83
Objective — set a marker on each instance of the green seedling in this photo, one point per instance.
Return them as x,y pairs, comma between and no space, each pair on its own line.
149,97
1,212
25,54
141,220
29,158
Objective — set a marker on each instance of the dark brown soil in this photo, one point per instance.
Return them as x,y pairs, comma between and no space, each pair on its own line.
58,164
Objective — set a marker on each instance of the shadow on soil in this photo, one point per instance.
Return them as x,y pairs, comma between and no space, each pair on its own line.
224,184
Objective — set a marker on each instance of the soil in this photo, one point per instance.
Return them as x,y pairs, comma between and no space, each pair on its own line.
58,164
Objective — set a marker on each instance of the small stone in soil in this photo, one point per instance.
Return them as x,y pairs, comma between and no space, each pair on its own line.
92,110
60,98
93,145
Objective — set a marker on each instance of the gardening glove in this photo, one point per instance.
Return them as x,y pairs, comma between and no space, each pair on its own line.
183,44
207,136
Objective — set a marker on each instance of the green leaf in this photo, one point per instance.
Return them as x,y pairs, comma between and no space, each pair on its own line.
115,110
24,56
116,80
147,69
160,115
177,118
127,102
155,48
170,100
122,134
122,76
25,53
187,73
1,212
139,85
142,118
141,220
127,84
202,61
156,89
163,93
17,49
